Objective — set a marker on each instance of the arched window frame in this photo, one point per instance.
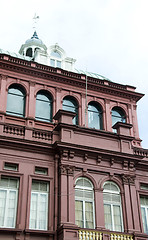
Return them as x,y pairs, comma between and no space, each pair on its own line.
85,191
29,52
99,123
112,204
41,102
119,115
70,108
16,100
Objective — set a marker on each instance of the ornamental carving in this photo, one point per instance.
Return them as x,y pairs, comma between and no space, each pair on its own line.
66,170
3,77
62,170
127,179
99,159
64,155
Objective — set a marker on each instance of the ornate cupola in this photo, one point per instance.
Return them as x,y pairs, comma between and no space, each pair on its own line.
32,45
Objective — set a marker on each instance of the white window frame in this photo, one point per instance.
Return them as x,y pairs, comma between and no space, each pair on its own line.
39,193
81,199
146,214
6,212
112,204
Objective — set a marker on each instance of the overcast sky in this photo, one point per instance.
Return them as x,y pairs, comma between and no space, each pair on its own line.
109,37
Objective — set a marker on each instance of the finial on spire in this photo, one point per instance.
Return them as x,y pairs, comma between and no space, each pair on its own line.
35,18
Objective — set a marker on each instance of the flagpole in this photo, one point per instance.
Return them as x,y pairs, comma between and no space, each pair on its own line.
86,100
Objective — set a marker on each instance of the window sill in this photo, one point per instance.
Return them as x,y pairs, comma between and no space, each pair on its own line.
15,230
42,232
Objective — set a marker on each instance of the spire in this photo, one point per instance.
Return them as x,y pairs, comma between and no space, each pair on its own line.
35,35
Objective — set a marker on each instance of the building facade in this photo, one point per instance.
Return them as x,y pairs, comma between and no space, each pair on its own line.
71,164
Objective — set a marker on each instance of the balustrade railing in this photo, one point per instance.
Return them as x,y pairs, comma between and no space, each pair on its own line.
44,135
15,130
97,235
90,235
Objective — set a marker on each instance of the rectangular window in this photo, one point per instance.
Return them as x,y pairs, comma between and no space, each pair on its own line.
39,205
8,202
42,171
11,166
144,186
144,213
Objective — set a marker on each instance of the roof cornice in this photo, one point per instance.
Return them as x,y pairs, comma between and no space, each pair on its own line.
10,63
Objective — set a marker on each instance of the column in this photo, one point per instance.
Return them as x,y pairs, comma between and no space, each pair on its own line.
3,93
71,196
127,208
99,209
134,204
63,195
108,119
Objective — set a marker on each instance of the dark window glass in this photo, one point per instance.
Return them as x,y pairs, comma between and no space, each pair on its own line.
69,104
118,115
94,116
29,52
16,101
43,107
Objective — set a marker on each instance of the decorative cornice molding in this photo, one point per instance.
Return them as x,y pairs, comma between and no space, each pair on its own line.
71,78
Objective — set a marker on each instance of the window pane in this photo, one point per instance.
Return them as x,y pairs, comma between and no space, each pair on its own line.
112,207
33,211
16,101
144,213
108,218
89,215
52,62
84,203
8,202
15,105
39,206
59,64
11,208
94,116
117,218
2,206
79,213
118,116
71,105
43,108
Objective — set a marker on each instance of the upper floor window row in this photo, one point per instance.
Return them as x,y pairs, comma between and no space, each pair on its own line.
16,101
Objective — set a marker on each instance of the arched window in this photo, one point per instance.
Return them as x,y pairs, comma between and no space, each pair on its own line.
112,207
43,106
118,115
70,104
29,52
95,116
84,203
55,60
16,100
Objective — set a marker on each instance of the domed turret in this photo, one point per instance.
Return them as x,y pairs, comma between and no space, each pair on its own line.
31,45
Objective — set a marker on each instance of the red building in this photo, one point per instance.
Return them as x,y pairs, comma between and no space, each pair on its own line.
71,162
